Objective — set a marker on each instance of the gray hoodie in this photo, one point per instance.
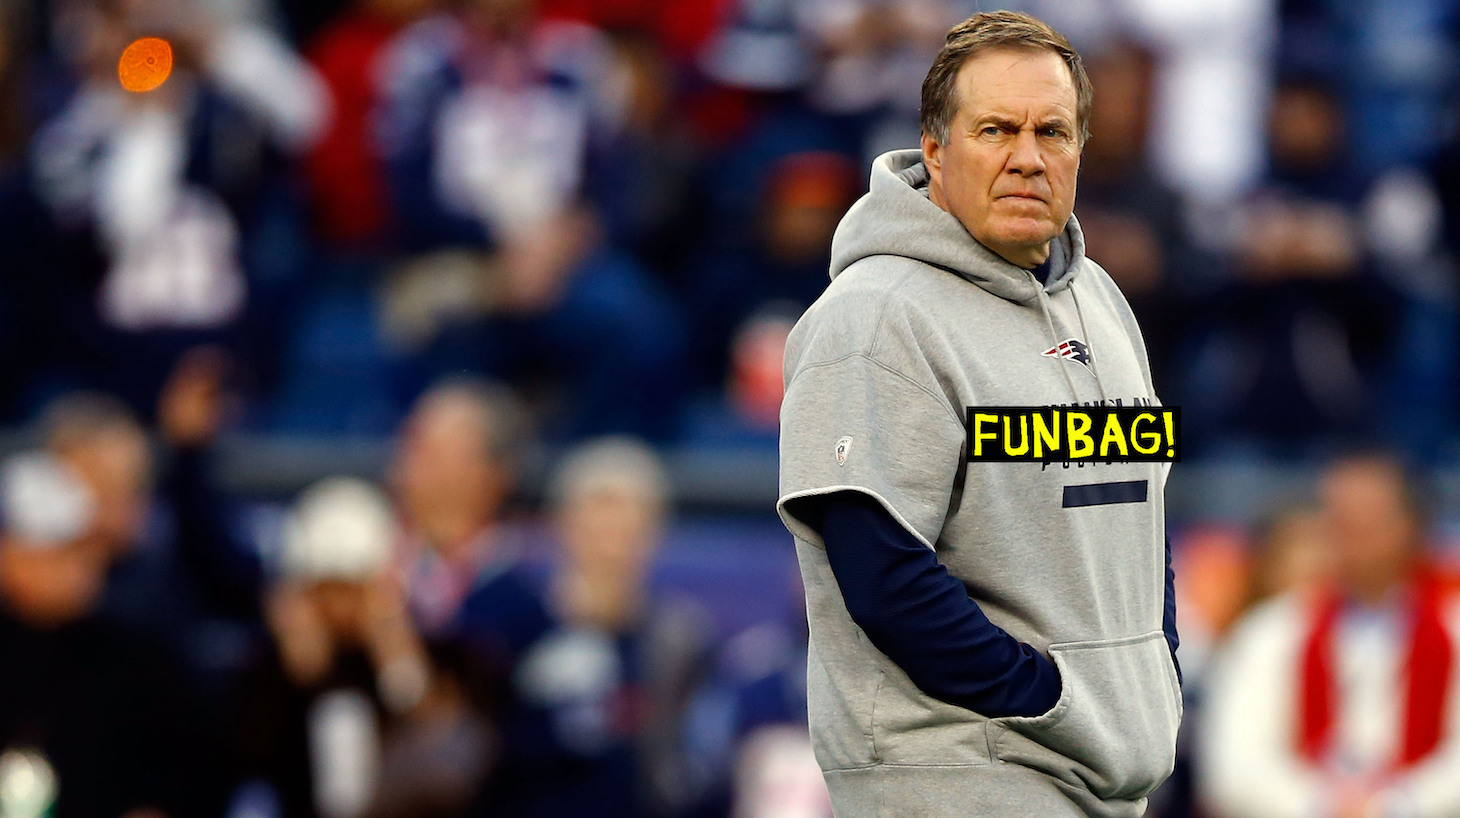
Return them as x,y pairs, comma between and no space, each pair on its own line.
920,322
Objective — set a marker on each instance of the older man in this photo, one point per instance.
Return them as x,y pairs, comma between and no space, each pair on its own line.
986,638
95,718
455,467
1342,700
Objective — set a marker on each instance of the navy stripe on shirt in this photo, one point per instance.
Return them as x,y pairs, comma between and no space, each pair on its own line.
1168,619
1104,494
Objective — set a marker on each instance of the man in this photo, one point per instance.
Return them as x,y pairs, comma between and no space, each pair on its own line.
1342,701
346,688
474,598
606,738
95,719
176,569
986,638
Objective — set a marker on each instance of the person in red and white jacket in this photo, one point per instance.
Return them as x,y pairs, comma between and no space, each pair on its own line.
1342,701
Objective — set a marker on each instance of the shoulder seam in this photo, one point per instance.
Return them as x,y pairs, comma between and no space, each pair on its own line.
883,302
952,412
879,323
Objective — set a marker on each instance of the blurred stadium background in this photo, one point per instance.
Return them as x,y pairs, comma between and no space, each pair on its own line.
504,284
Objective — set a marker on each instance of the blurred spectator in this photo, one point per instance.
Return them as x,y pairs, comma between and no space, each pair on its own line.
494,125
756,384
1212,565
1340,701
760,47
107,447
1292,555
1305,328
1215,76
1221,574
755,112
171,223
646,191
176,567
1396,63
678,27
1134,222
873,57
350,677
602,695
455,467
784,257
94,718
1220,577
346,170
19,214
753,277
759,691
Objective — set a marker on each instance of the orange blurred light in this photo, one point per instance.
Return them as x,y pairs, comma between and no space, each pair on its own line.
145,65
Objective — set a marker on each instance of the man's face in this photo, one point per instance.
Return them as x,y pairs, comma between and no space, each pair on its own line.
610,530
116,466
1008,169
49,587
442,469
1371,526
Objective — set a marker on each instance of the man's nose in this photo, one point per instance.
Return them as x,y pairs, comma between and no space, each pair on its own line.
1026,158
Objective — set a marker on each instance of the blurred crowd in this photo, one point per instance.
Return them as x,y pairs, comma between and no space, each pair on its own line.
394,648
478,231
618,208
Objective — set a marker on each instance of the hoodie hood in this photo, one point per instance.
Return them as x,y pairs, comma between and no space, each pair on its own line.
896,218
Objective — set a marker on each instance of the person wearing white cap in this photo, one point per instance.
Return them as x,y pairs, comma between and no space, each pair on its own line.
48,574
94,719
351,668
336,595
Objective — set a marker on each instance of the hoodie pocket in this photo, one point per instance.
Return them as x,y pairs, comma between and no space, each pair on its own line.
1113,729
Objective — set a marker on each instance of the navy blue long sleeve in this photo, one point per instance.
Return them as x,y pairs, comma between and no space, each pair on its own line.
922,617
1168,619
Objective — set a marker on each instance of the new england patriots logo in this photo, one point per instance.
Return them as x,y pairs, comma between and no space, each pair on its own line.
1070,348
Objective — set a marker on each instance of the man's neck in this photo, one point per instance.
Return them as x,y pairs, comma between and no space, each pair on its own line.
457,537
1028,257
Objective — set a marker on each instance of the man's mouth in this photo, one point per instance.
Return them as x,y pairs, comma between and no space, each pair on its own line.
1027,196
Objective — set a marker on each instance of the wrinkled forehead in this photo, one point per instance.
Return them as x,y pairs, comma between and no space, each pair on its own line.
1016,81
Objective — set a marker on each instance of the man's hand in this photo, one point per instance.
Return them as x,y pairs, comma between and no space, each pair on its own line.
395,648
190,408
306,648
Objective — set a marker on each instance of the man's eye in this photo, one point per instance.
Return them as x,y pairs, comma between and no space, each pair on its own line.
990,130
1053,133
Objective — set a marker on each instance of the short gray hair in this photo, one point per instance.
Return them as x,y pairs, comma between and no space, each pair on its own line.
496,410
986,32
611,463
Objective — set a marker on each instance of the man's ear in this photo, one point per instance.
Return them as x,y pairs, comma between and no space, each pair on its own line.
933,160
933,157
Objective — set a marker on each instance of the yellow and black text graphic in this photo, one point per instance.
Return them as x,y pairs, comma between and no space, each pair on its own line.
1043,434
